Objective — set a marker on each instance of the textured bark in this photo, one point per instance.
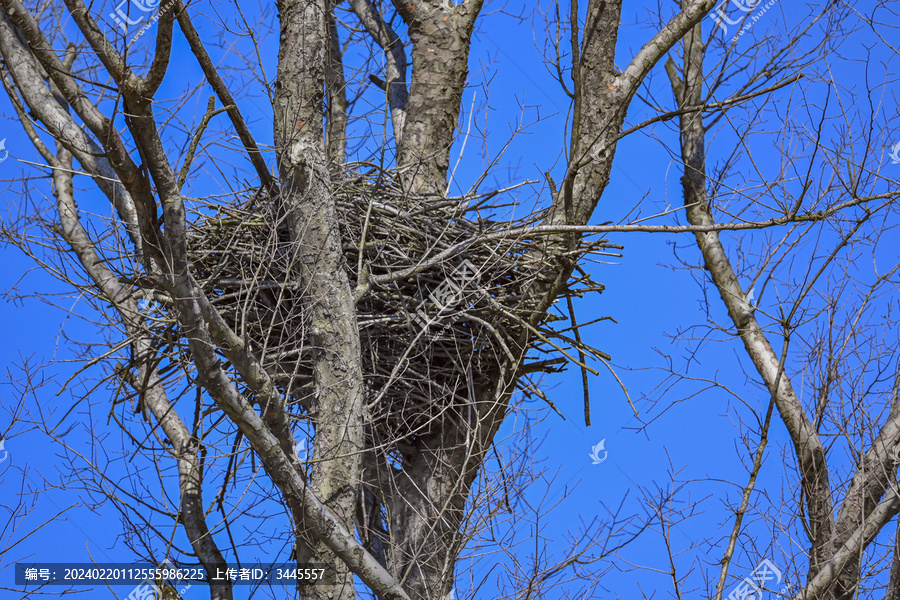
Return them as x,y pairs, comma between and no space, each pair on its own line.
440,63
430,494
418,543
331,328
828,581
205,331
426,511
893,588
874,476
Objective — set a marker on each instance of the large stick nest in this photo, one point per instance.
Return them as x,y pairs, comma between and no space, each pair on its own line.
429,338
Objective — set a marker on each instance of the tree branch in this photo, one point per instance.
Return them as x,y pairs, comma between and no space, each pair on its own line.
808,446
224,95
396,85
25,73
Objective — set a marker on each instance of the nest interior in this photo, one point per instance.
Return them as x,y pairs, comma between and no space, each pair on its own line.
446,288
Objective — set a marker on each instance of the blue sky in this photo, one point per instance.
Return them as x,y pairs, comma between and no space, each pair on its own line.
697,437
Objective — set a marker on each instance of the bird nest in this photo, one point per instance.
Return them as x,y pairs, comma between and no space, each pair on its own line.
444,301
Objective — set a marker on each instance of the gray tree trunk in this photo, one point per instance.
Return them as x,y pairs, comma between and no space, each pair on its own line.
318,263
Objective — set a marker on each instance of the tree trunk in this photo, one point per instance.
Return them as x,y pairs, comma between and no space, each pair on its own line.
318,263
